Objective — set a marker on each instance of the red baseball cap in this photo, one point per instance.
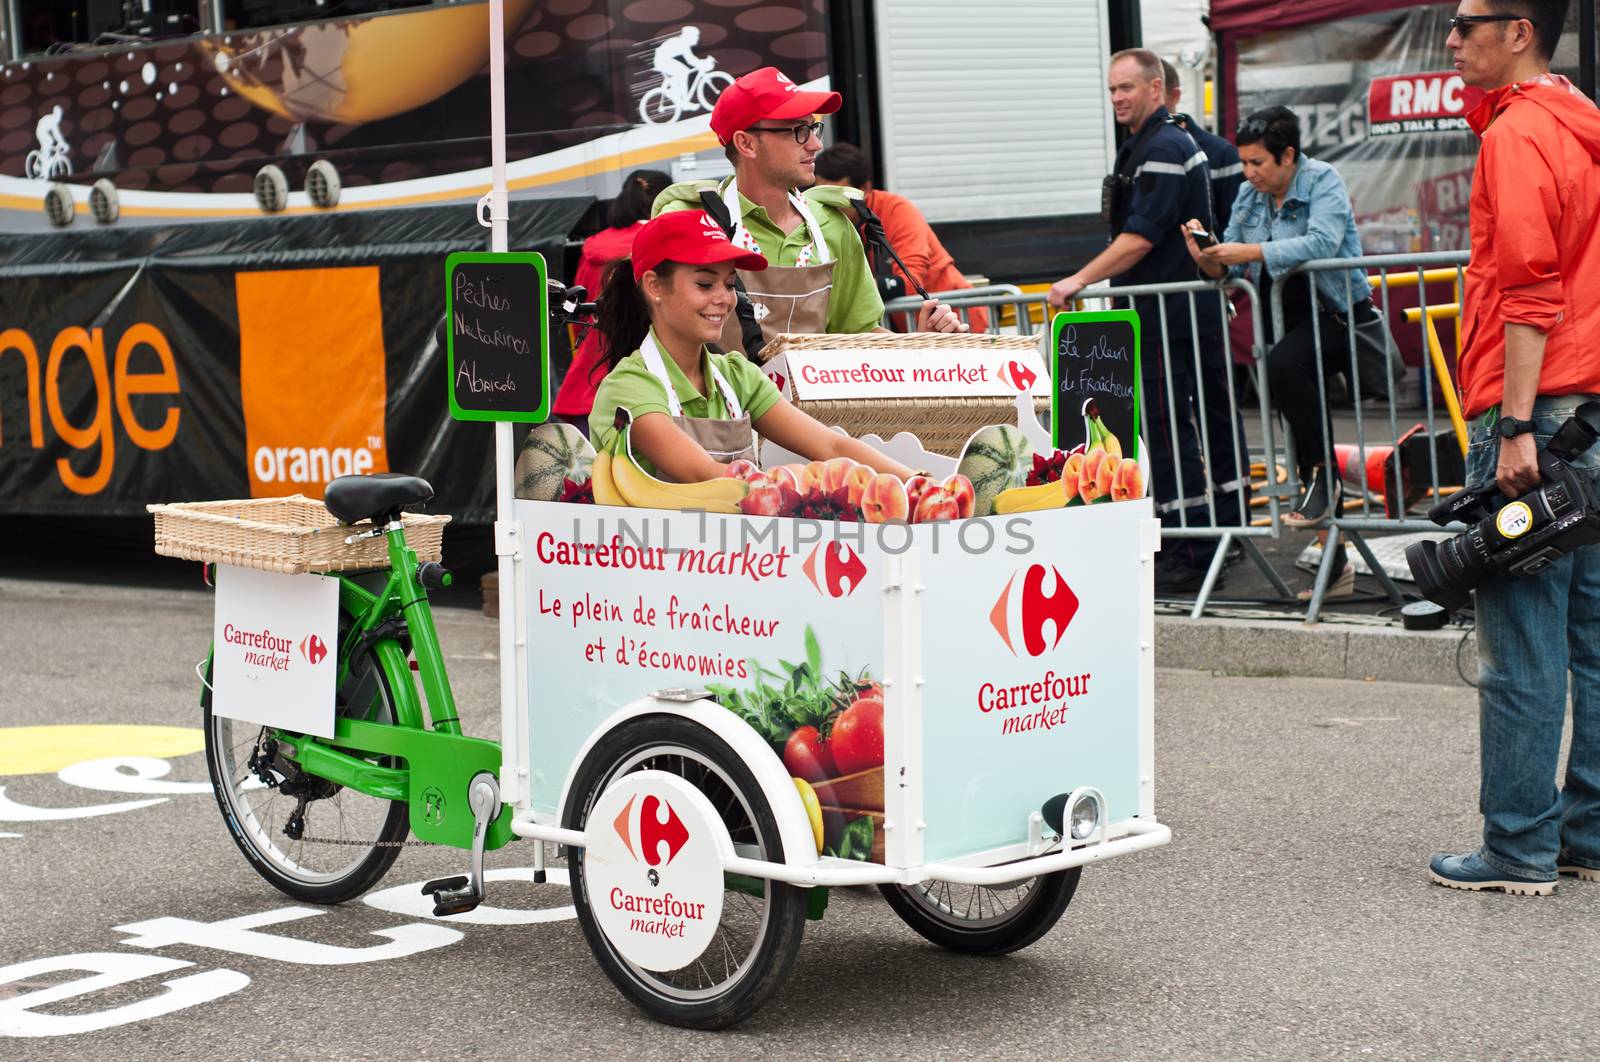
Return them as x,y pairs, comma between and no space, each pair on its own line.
689,236
762,94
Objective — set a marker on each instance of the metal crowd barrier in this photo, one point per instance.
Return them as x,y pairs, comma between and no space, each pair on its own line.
1356,521
963,301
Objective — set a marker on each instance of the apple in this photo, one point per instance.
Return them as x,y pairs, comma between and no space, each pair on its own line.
959,487
936,505
1129,482
744,469
1089,475
916,487
884,500
764,499
1072,475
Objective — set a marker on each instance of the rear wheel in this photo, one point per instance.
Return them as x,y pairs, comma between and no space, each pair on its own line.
762,921
984,919
658,108
312,840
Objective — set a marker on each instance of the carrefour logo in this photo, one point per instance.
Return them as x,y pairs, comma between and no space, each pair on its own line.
834,569
1040,611
1017,375
661,834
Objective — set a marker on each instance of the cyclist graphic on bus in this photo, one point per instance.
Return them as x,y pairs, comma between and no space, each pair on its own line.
689,83
52,157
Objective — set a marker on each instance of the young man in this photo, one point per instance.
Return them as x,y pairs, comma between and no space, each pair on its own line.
908,232
817,279
1528,361
1161,176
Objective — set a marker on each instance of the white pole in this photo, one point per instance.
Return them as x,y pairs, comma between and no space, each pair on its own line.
506,535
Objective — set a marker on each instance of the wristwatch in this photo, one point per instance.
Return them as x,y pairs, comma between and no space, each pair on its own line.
1510,427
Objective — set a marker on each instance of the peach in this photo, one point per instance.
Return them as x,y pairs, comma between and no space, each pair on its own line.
1072,475
1089,475
936,505
1129,483
816,475
959,487
744,469
834,473
885,500
1107,474
789,475
916,487
855,483
764,499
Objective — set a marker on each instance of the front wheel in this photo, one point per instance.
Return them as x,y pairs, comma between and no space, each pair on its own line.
762,921
984,919
312,840
711,86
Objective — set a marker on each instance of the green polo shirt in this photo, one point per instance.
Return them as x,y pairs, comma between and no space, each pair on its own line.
633,387
854,305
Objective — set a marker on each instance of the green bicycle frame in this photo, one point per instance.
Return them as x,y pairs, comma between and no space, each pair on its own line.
440,761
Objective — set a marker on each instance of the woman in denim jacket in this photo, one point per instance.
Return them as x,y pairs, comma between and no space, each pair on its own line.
1291,210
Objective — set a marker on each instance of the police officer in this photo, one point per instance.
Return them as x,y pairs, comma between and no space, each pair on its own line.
1161,173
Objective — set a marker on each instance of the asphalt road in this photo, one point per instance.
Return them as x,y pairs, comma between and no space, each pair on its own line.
1290,917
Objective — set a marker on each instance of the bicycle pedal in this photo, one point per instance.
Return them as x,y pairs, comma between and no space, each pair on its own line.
454,901
453,884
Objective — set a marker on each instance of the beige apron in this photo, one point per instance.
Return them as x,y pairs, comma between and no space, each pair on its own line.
785,298
726,441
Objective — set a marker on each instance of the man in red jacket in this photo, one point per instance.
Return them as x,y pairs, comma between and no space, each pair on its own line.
1531,355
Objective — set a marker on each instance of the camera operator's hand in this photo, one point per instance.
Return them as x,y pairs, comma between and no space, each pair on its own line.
1518,470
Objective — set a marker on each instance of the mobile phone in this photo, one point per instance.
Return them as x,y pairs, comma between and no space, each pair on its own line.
1203,239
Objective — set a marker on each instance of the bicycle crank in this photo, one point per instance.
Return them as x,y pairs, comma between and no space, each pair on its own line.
464,892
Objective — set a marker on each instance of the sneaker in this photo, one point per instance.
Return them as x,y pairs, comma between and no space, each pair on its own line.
1323,498
1570,868
1176,578
1473,873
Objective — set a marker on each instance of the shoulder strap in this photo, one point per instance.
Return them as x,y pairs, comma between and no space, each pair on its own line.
1128,161
749,328
878,240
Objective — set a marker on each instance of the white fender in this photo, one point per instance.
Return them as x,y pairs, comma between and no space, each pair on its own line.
794,825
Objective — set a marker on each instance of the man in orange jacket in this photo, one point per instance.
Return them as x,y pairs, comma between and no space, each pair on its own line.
908,231
1531,355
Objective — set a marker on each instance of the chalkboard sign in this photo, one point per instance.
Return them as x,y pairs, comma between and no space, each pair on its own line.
1094,372
497,336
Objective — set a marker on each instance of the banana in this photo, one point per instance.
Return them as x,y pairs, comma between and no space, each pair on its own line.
605,486
1111,443
1031,499
644,491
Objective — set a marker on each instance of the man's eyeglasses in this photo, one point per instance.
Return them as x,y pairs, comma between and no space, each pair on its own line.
1463,24
801,133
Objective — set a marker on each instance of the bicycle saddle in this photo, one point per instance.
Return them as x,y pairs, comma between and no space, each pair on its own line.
355,498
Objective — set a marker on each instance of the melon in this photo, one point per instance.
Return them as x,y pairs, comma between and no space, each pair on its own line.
551,454
995,459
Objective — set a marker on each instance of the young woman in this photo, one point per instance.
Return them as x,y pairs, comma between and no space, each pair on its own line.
693,408
629,210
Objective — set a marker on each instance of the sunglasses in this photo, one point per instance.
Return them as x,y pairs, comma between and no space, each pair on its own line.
1463,24
1254,127
801,133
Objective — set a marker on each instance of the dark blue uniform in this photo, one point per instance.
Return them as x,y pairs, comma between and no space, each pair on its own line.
1172,182
1227,172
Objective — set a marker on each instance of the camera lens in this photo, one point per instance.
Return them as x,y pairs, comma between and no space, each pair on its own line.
1438,570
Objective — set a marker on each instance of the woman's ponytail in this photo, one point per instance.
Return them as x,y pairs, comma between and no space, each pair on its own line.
621,315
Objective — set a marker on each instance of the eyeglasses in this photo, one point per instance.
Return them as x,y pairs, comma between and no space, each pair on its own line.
801,133
1254,127
1463,24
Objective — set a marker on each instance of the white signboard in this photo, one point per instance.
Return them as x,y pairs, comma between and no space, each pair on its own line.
934,372
275,640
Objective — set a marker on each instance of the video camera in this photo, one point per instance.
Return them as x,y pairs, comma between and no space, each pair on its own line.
1522,537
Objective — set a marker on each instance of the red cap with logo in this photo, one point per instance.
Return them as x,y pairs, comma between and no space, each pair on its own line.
692,237
763,94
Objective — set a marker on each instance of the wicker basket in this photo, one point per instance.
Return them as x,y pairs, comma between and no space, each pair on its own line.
943,424
289,535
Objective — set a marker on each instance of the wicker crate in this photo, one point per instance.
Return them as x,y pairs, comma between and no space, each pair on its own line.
943,424
290,535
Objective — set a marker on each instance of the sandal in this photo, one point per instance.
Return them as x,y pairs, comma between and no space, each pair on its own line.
1322,498
1342,585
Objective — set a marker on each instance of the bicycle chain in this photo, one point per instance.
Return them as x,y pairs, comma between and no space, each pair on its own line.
373,844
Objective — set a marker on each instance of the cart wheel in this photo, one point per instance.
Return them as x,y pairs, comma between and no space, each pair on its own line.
984,919
347,841
759,933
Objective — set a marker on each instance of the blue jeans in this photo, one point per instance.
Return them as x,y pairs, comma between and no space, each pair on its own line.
1533,633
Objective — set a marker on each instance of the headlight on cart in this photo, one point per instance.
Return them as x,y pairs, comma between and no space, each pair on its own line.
1087,814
